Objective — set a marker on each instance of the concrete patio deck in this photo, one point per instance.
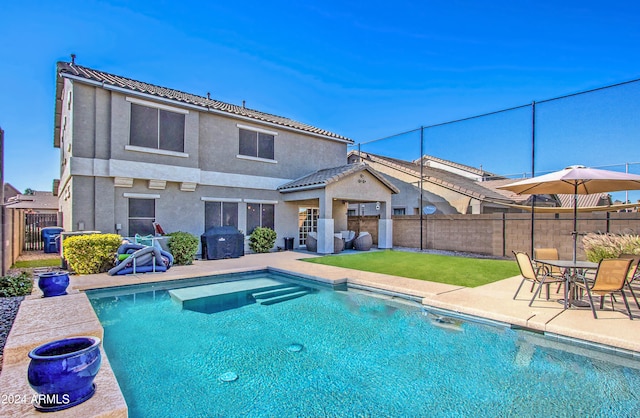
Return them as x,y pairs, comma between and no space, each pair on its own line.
33,325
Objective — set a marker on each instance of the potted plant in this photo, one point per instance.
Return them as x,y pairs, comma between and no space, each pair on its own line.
62,372
53,283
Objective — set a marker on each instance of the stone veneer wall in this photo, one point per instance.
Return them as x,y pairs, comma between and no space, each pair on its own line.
499,234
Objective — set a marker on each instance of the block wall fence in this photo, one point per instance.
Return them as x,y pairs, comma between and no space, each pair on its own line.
499,234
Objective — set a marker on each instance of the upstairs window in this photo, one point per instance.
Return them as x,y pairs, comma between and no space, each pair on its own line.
256,144
156,128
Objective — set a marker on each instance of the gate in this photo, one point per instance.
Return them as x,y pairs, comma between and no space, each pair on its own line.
34,222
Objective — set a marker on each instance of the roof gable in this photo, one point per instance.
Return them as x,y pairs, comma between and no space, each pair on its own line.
322,178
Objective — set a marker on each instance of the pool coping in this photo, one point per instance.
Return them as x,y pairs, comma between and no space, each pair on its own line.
73,315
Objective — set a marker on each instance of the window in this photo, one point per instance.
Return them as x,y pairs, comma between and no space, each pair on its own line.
256,144
156,128
259,214
220,214
142,215
351,212
399,211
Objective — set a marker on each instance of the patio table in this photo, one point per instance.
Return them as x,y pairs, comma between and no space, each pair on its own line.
570,270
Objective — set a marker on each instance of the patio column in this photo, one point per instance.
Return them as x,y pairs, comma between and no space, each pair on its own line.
325,236
325,225
385,227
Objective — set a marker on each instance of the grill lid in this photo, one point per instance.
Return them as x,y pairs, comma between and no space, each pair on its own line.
220,230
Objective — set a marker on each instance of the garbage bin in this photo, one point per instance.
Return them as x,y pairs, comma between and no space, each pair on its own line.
288,243
49,235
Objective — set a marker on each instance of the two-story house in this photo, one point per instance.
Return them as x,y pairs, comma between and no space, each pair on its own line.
133,153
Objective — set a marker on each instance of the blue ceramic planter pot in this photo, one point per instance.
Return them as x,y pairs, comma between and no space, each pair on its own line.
54,283
62,372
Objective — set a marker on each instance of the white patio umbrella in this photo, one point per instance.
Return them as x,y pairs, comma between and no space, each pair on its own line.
576,179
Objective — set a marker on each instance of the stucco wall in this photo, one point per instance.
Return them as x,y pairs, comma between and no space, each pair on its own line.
84,121
295,155
82,201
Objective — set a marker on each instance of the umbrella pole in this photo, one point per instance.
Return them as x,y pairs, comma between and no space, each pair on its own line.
575,221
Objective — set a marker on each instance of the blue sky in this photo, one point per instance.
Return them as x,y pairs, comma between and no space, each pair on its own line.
365,70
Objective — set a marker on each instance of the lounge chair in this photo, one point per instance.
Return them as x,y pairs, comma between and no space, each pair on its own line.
363,242
611,277
536,276
349,237
338,243
312,242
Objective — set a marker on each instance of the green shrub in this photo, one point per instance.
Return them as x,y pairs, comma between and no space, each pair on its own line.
91,254
262,240
601,246
183,247
20,285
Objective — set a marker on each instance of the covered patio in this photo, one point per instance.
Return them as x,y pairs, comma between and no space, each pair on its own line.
331,190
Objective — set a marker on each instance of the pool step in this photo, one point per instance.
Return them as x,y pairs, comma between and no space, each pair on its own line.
218,297
283,298
271,293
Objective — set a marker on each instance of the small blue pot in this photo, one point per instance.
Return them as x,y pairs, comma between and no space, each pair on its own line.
62,372
54,283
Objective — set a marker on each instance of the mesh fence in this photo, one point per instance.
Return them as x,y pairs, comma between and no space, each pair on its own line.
598,128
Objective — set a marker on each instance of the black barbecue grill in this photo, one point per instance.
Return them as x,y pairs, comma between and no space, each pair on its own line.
220,242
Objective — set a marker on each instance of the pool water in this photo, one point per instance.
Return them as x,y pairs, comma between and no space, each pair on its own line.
346,353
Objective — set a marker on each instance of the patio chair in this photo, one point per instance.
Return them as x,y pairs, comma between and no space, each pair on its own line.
363,242
539,276
611,277
549,254
634,272
312,242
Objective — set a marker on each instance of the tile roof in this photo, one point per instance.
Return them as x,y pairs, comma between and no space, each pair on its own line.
38,200
468,168
440,177
494,184
106,79
322,178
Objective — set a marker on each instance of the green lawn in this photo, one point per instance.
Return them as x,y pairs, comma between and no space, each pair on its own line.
46,262
461,271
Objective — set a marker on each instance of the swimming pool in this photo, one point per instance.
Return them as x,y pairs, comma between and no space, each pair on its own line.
339,352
